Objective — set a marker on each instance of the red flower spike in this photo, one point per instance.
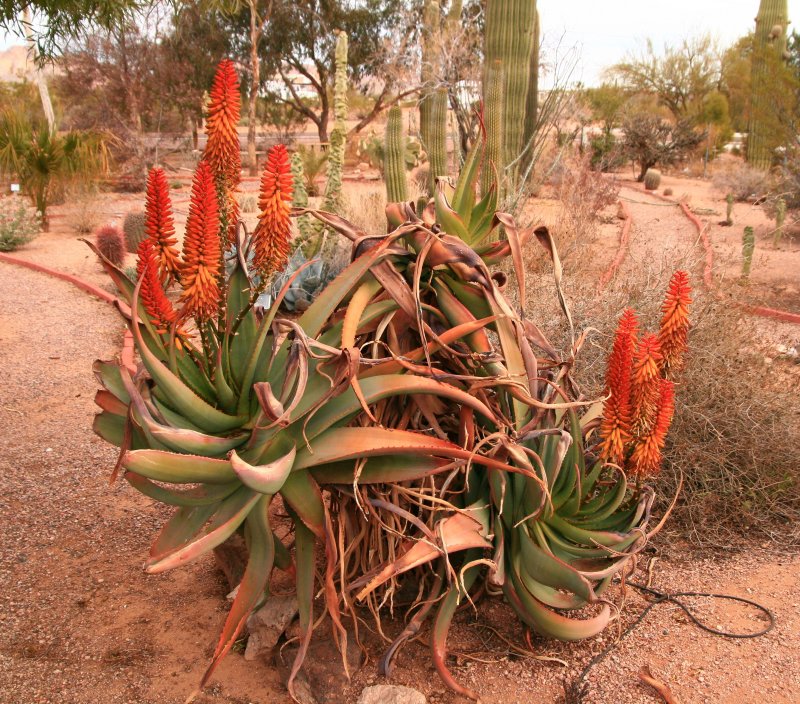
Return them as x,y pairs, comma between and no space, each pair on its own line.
160,226
646,376
272,235
158,307
646,457
201,248
615,429
675,322
222,149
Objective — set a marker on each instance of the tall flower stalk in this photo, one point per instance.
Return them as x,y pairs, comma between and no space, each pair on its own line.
271,239
160,226
200,270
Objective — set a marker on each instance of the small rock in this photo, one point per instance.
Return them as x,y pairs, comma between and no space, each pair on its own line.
390,694
268,623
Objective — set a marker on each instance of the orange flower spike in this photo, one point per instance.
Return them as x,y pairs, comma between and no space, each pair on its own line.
645,383
158,307
615,429
675,322
646,457
224,107
160,226
201,248
272,235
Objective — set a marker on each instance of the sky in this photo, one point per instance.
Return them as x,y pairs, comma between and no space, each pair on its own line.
602,32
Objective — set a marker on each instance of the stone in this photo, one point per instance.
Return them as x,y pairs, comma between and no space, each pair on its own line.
268,624
390,694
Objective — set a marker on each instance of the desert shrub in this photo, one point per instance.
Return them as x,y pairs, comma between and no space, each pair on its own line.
134,228
111,243
668,191
19,224
653,141
744,182
606,152
583,193
85,213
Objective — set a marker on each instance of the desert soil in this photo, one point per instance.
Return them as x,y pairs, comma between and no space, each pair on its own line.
82,623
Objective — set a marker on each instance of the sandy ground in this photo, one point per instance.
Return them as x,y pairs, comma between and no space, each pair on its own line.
82,623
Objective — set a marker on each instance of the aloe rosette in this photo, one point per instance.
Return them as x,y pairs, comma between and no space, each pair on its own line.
411,422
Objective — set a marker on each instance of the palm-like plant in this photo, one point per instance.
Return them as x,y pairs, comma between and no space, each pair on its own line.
45,161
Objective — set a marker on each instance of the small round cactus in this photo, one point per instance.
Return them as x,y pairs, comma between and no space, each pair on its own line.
652,179
134,228
111,243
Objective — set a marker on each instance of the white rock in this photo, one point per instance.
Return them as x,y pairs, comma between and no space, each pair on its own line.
390,694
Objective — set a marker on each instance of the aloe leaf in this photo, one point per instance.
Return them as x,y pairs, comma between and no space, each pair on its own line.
457,532
178,468
550,623
110,427
551,571
347,405
449,220
380,470
110,403
441,627
203,495
109,375
304,553
303,496
464,194
221,525
264,478
261,555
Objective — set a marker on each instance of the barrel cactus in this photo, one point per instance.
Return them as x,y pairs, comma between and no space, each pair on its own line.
394,161
111,242
135,228
652,179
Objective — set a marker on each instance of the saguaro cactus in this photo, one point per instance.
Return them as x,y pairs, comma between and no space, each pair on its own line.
509,38
333,189
768,50
494,112
532,101
729,210
433,104
394,164
780,216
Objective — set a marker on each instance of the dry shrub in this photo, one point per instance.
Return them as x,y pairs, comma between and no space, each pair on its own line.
746,183
85,215
583,194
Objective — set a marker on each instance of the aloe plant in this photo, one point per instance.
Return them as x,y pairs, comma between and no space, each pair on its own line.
409,414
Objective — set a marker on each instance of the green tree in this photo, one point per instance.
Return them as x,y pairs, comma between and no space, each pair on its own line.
680,78
606,103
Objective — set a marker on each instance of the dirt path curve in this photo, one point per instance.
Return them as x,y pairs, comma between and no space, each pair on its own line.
82,624
661,237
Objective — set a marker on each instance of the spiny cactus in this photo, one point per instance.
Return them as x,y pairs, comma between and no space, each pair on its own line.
433,105
333,189
493,113
729,211
134,227
652,179
532,102
394,165
769,47
780,216
111,243
508,38
748,246
300,197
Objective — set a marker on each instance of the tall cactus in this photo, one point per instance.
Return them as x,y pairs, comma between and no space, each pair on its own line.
532,101
748,247
494,114
509,38
433,104
333,189
300,200
768,50
394,164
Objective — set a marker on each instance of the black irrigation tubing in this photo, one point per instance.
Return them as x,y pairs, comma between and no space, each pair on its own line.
577,689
